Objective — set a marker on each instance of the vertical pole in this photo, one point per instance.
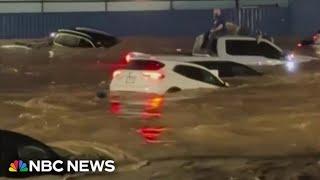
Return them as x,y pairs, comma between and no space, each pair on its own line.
106,5
171,4
237,4
238,11
42,6
43,31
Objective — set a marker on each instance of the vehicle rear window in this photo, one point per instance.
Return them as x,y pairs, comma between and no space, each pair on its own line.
144,65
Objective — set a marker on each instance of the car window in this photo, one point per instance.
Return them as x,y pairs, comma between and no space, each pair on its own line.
29,152
85,43
197,74
241,47
251,48
229,69
144,65
67,40
223,68
268,51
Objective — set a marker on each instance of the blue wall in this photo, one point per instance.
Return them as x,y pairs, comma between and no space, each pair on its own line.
160,23
305,16
273,21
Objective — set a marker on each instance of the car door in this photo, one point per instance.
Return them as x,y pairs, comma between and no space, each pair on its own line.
271,55
190,77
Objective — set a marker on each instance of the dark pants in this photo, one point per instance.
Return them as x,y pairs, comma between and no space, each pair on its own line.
209,36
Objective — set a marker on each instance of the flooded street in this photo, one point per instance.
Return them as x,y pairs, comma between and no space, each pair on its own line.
259,127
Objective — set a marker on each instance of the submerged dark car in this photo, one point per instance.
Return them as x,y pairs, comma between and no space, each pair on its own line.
83,38
81,43
229,68
311,41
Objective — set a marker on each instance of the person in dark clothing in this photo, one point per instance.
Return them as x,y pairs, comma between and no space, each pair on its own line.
219,23
218,29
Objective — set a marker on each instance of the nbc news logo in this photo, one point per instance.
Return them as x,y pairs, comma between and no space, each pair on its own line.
59,166
18,166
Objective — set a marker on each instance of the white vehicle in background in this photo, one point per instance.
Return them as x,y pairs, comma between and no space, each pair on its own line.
160,77
240,49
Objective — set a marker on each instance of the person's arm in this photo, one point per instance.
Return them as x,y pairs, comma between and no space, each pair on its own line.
220,23
220,27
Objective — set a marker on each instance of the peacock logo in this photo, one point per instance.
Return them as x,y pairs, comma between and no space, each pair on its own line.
18,166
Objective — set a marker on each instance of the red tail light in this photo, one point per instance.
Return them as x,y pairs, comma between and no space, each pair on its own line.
151,134
116,73
153,75
299,45
154,103
115,107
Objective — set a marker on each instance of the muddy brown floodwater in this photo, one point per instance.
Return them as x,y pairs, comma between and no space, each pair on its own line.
259,128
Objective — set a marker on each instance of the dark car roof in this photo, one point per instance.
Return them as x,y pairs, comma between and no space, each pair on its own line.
99,38
72,31
106,39
92,31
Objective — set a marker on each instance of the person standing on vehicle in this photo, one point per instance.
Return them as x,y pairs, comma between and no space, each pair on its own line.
218,29
219,23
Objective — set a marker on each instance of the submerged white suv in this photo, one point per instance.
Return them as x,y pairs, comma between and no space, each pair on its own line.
159,77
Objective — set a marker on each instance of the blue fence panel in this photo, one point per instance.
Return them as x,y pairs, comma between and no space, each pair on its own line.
270,20
149,23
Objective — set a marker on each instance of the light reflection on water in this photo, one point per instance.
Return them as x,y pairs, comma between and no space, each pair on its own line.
147,107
